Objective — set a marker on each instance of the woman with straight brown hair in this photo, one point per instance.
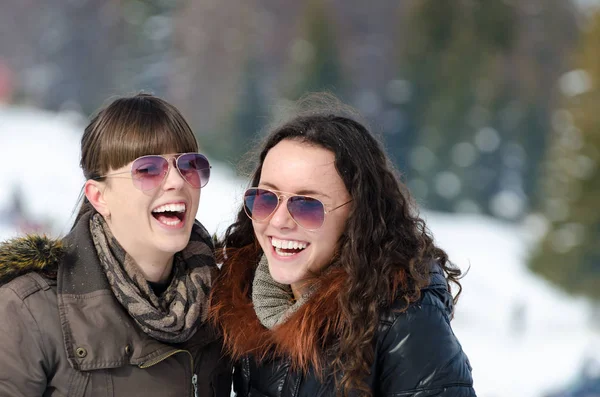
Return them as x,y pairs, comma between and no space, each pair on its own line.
118,306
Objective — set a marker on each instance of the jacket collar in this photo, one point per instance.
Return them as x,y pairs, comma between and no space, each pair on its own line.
305,335
439,287
97,331
35,253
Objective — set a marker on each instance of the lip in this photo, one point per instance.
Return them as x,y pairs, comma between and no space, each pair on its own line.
287,258
287,238
178,226
184,202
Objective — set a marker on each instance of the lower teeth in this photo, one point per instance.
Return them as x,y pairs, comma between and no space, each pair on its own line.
283,253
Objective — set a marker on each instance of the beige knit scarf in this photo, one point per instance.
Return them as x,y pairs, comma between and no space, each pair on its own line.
273,302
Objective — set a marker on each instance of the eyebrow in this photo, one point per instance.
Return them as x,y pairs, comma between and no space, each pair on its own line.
306,192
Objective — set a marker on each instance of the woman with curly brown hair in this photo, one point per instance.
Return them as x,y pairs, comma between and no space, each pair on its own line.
331,283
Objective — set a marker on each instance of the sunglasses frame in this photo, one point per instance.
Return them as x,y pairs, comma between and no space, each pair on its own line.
287,195
170,164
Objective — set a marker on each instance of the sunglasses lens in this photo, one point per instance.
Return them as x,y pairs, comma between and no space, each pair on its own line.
195,168
148,172
307,211
259,204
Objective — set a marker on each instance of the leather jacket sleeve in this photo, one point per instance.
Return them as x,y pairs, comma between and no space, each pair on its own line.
419,356
21,350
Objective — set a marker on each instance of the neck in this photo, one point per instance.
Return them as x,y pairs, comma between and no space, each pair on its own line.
155,266
155,271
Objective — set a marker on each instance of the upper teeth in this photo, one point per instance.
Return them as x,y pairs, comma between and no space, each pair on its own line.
287,244
170,208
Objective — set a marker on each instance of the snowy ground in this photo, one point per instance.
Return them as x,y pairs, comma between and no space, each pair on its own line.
522,335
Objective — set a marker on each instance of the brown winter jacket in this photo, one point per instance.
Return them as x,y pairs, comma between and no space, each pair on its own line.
63,333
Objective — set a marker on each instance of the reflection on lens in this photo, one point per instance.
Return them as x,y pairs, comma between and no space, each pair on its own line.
308,212
148,172
194,168
259,204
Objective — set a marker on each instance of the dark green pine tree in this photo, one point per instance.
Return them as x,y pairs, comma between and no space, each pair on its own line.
315,64
144,53
569,253
247,119
451,56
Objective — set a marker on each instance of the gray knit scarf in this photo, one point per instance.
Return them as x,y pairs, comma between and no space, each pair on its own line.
273,302
175,316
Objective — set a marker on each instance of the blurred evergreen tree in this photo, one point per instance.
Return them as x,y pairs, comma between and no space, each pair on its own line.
248,118
144,53
569,253
475,123
315,60
69,48
451,62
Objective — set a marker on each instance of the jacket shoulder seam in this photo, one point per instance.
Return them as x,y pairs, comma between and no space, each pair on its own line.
29,287
395,316
25,285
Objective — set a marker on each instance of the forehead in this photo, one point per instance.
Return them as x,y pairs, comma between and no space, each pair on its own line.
299,167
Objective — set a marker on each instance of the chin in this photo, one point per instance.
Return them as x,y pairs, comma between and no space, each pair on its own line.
283,277
284,280
174,246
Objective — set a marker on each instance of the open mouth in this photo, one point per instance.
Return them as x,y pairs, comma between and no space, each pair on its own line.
288,247
170,214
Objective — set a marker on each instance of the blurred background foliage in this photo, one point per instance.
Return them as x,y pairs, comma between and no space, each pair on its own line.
486,106
569,254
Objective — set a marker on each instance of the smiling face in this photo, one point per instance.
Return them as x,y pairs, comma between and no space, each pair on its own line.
151,225
294,253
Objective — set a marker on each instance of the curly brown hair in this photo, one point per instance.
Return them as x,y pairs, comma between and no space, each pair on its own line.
386,250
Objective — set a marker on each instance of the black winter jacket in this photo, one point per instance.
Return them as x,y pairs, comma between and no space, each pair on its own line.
416,355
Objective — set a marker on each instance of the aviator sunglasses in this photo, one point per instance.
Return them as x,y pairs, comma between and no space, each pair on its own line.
149,172
308,212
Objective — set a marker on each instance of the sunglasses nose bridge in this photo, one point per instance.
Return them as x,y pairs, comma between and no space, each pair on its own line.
282,201
172,166
173,162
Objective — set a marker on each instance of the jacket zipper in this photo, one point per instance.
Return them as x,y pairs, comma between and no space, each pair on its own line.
172,353
195,384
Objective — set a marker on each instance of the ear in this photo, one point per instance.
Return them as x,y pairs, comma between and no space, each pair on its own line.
94,191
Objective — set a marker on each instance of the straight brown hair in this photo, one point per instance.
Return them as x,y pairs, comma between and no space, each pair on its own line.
128,128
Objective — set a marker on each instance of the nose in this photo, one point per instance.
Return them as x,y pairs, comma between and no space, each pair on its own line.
173,179
281,218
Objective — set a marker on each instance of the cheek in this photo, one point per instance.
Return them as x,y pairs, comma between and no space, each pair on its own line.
134,207
325,247
195,203
258,231
196,194
329,240
130,213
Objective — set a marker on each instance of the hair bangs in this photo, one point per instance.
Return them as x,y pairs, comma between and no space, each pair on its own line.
143,127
